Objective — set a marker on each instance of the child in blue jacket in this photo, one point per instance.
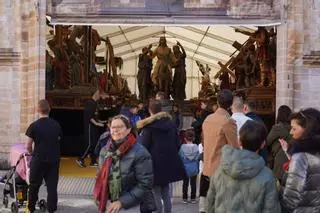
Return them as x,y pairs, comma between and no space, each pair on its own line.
189,154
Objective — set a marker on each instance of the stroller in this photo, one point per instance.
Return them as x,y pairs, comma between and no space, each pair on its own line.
16,185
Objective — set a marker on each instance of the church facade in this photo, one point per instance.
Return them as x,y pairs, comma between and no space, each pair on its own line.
23,44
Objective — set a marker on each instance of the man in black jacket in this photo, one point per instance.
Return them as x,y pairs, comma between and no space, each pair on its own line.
249,107
92,127
45,134
160,136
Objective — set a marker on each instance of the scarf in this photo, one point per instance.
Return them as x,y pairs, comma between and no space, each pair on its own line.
108,181
309,144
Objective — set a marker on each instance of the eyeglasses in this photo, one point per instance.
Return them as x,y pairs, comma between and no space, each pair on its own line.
117,127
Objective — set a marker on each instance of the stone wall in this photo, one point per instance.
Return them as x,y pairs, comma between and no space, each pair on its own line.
298,54
307,64
253,8
22,64
232,8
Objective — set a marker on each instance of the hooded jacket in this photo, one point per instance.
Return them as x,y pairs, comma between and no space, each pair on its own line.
189,154
302,189
160,136
242,184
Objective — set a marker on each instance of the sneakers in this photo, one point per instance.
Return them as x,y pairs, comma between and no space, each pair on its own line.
193,201
93,165
80,163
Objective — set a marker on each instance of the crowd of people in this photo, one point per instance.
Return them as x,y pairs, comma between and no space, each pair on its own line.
247,169
240,166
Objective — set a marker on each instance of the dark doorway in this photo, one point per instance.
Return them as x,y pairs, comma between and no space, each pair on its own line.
71,122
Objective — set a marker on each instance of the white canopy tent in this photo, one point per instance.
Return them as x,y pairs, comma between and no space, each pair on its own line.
206,44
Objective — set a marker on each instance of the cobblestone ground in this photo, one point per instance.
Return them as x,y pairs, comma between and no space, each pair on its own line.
84,204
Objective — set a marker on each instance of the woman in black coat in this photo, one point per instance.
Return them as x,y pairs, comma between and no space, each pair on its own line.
159,135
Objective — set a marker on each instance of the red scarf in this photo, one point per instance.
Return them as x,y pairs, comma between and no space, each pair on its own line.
101,188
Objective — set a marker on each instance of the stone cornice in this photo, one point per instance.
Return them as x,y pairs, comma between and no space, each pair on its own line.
313,59
8,56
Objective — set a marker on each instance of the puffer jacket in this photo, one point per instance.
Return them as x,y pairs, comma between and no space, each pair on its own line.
302,189
136,176
242,184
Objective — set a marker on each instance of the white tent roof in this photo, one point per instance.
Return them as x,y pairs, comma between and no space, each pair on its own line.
208,44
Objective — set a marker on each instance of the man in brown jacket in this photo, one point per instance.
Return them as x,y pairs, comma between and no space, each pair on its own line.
218,130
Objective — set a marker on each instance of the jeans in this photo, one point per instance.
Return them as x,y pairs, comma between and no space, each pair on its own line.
193,184
162,193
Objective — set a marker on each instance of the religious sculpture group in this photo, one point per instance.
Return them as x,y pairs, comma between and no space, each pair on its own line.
160,79
255,64
71,63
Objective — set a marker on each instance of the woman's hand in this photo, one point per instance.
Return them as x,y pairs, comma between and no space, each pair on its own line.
285,146
114,207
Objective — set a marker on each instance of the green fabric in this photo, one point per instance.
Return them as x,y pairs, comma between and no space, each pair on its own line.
114,177
242,184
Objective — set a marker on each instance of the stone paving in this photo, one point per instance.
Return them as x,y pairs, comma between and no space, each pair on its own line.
85,204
